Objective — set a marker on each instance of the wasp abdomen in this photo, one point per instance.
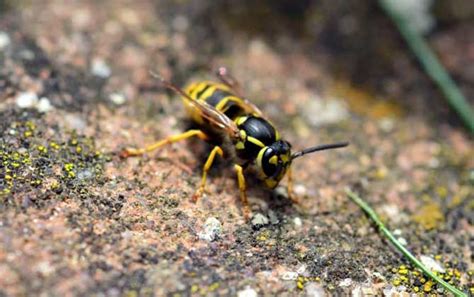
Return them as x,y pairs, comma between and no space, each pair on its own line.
218,96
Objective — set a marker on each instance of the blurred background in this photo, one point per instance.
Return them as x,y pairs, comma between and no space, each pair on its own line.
348,43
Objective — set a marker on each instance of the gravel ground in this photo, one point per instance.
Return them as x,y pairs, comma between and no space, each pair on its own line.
76,219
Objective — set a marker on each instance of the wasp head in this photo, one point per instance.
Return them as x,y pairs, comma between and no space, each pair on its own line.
273,162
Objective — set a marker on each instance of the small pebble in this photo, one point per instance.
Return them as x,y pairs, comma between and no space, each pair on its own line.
329,112
432,264
212,230
273,218
401,288
248,292
363,290
392,211
314,290
30,100
84,174
387,125
4,40
259,220
45,268
289,275
390,291
345,282
298,222
281,191
75,122
300,190
402,241
301,270
100,68
44,105
434,163
26,100
117,98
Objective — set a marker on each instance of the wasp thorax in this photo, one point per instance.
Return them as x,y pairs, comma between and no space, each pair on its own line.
273,162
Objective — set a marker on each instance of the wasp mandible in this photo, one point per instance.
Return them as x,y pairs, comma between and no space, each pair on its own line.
238,130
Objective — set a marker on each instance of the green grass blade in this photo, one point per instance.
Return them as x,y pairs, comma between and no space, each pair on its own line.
431,65
371,213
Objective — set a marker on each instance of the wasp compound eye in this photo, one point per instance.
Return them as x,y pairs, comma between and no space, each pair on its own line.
270,164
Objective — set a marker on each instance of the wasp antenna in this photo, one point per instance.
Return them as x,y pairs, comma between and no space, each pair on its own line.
319,148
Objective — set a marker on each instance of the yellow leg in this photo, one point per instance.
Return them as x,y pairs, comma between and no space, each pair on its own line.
242,188
137,152
291,194
207,166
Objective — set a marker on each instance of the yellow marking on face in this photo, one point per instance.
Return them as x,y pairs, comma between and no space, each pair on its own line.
271,183
259,162
273,160
284,158
277,134
255,141
240,145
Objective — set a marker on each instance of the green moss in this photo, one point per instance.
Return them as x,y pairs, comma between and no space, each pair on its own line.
27,159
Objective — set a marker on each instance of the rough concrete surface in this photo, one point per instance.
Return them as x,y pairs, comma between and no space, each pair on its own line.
78,220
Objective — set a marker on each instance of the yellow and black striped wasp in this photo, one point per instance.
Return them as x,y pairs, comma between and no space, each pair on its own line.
238,130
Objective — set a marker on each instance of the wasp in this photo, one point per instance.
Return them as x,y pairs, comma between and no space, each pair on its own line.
238,130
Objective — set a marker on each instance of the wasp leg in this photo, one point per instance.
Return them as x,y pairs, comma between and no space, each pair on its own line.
242,188
291,193
207,166
174,138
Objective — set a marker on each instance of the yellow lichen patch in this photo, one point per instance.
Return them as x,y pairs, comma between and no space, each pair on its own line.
263,236
301,281
194,289
213,287
442,191
42,149
427,287
429,216
464,193
54,145
366,103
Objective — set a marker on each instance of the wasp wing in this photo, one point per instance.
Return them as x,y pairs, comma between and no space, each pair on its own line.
208,112
214,116
250,107
228,80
